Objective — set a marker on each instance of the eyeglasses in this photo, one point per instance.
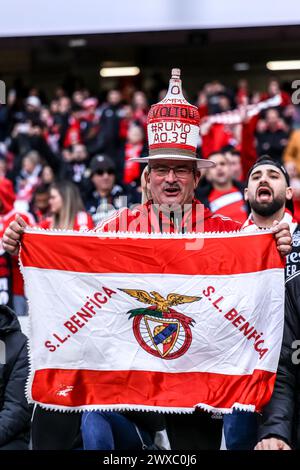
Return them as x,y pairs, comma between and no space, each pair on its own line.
179,171
110,171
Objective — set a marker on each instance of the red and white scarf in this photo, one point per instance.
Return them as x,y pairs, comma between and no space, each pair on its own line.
236,115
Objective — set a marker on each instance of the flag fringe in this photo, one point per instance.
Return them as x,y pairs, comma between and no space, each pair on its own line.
144,408
144,235
30,375
127,407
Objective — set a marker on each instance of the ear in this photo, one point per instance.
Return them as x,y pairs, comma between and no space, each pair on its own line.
246,194
289,193
197,178
146,175
208,175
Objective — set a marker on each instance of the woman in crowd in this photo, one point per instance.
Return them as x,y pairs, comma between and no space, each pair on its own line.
67,210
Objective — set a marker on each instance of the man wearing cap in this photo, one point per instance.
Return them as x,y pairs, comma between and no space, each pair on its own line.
270,197
172,177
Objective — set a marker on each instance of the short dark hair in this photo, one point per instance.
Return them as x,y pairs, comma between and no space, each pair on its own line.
42,189
219,152
267,160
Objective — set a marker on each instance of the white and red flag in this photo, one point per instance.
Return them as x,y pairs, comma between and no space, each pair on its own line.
153,322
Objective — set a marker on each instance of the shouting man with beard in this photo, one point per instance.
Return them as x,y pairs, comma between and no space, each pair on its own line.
269,195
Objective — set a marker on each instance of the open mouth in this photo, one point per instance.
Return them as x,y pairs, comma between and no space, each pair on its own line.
172,191
264,194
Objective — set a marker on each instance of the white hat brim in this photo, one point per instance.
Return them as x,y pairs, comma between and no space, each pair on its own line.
201,162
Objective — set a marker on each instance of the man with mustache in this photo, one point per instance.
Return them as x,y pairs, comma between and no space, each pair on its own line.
172,177
269,195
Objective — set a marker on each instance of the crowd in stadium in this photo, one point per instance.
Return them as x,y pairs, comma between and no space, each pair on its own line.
69,163
65,160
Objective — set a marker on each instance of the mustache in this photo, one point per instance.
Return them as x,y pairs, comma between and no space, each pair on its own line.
264,185
171,186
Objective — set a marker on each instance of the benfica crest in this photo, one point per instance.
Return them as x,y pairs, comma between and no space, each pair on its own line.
159,329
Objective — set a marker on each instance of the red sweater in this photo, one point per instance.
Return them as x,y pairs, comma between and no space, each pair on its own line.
144,219
83,221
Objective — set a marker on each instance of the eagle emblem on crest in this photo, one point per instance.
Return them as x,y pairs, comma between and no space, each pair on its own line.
159,329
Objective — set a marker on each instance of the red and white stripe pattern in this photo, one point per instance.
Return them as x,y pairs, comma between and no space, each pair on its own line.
90,351
236,115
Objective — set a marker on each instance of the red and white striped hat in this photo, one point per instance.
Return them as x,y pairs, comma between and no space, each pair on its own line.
173,127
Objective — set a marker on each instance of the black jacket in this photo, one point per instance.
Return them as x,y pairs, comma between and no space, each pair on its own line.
271,143
281,417
54,430
15,413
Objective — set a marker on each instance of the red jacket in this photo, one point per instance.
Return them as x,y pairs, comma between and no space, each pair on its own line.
217,137
248,147
144,218
83,221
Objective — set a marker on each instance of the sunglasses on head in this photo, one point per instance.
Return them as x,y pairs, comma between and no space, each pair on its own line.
109,171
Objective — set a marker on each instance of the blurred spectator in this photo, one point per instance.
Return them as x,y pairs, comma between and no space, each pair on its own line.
66,208
30,136
11,279
275,89
90,124
224,103
4,173
109,138
59,92
40,207
242,94
272,135
3,167
134,148
46,117
291,154
62,117
126,121
72,134
74,164
140,109
47,175
105,196
7,198
202,104
222,194
78,97
218,97
33,107
295,184
215,137
28,179
234,158
4,122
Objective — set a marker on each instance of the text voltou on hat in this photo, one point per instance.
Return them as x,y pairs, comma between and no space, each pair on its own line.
173,127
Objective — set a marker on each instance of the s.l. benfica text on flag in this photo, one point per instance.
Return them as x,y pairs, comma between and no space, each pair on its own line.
125,321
